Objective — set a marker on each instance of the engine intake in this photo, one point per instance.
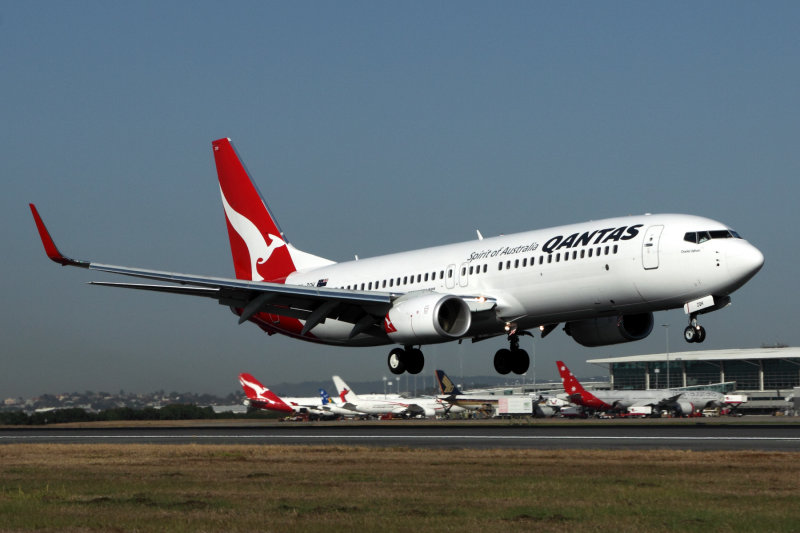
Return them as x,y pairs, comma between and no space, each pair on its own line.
611,329
427,318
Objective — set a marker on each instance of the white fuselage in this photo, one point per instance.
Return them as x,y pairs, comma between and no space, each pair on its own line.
615,266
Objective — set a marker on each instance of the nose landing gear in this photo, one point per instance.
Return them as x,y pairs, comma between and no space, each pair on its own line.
694,332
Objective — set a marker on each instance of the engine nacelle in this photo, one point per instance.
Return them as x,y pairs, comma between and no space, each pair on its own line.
611,329
427,318
683,407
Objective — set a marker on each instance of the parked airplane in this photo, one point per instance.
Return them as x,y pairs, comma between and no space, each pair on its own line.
682,402
260,397
427,407
455,398
330,404
602,279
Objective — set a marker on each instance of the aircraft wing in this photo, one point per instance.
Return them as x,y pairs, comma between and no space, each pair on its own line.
664,402
365,310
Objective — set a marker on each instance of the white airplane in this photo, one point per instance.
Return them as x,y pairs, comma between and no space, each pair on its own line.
682,402
472,401
427,407
602,279
260,397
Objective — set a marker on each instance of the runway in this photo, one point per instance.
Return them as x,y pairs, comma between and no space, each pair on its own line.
685,436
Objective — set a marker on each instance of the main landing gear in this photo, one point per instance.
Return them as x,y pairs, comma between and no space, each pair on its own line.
694,332
408,360
514,359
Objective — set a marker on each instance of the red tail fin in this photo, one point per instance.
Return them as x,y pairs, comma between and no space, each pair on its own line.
577,394
260,396
259,248
571,383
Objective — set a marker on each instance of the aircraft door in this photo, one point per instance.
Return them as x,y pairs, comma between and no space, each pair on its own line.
463,277
650,247
450,277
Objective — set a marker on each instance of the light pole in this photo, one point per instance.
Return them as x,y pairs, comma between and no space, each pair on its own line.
666,337
384,387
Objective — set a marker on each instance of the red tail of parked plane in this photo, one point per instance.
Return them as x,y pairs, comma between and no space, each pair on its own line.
261,397
577,394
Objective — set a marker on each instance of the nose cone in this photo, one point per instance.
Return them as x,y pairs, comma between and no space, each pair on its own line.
744,261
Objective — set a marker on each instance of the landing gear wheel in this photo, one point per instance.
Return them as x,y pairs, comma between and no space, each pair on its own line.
701,334
415,361
520,361
397,363
502,361
690,334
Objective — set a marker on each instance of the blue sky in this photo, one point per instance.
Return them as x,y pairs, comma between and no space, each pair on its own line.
371,127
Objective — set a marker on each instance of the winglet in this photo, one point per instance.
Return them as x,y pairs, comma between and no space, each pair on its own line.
50,246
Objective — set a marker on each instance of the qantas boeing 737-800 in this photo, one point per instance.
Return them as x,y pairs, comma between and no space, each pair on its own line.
602,279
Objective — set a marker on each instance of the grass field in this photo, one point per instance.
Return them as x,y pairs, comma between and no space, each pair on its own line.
197,488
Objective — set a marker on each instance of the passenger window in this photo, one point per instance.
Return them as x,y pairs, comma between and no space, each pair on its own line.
583,252
616,248
550,258
484,268
500,265
516,263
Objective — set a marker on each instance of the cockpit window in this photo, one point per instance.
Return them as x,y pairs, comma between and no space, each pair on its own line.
699,237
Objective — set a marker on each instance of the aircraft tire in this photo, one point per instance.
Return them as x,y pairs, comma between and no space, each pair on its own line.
397,363
701,334
502,361
520,361
415,361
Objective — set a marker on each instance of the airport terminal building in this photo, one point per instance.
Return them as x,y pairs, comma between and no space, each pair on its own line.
768,376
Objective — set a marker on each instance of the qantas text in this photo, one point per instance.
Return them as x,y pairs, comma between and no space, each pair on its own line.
587,238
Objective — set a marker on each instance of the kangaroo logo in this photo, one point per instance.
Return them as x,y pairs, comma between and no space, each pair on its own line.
257,246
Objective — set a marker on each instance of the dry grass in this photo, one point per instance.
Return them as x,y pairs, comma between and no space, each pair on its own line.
337,488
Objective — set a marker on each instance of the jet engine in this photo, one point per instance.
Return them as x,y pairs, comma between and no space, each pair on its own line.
427,318
683,407
611,329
